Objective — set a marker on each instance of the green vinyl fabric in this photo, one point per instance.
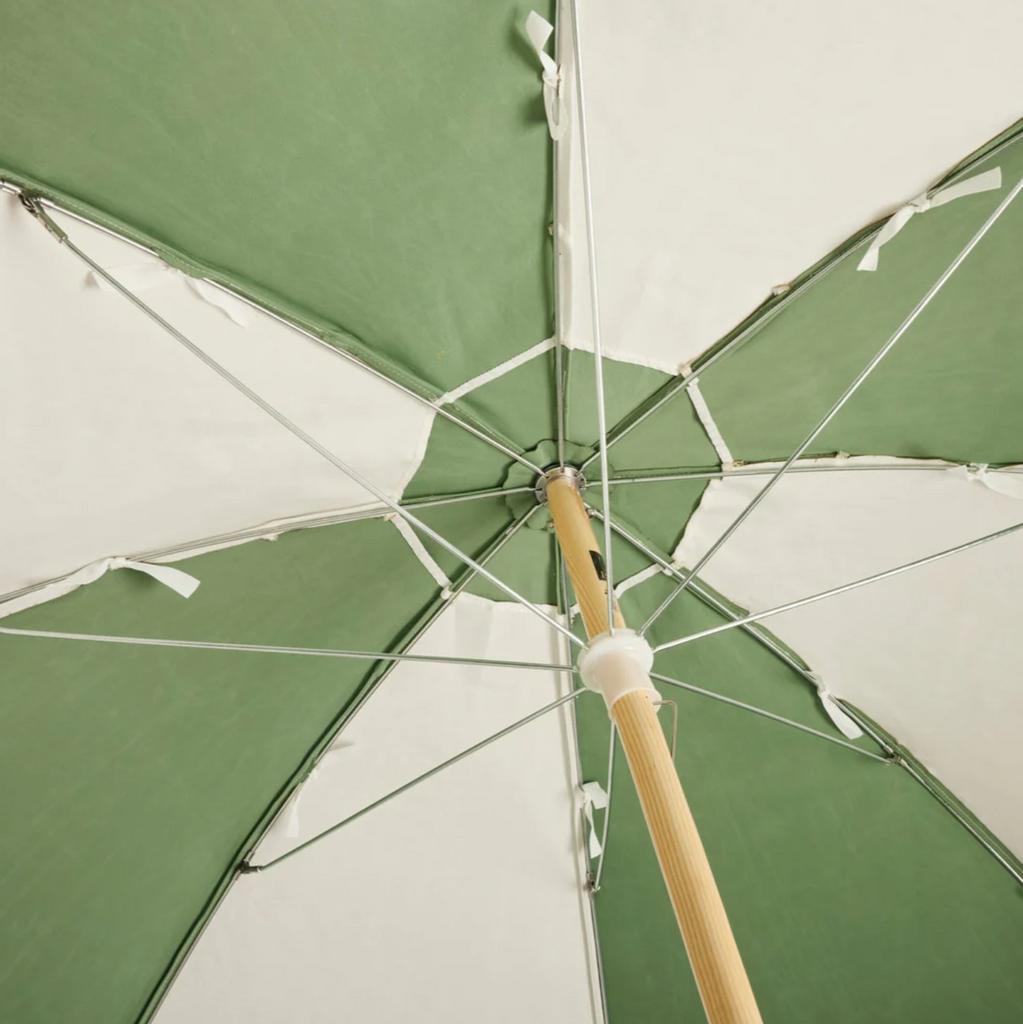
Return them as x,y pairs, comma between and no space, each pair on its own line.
948,389
144,774
247,140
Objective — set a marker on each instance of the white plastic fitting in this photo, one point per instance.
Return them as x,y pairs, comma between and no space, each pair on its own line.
617,665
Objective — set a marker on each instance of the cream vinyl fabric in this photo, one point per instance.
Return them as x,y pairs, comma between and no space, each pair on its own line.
117,441
710,189
474,875
932,654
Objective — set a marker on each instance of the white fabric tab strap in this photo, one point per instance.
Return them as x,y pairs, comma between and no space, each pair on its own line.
1009,484
594,799
138,277
234,309
424,556
539,31
178,581
845,725
291,822
985,182
703,413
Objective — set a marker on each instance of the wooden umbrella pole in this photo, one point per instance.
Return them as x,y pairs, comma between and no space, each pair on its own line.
621,674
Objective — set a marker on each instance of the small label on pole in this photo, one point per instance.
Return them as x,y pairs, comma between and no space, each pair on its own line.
598,564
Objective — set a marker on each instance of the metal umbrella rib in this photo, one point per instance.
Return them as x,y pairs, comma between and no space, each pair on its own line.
288,425
843,589
410,229
37,203
450,762
846,395
598,350
902,758
746,471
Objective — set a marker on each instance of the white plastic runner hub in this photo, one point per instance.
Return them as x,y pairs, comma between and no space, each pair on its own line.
617,665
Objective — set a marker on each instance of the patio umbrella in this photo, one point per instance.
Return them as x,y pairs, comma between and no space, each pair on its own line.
380,381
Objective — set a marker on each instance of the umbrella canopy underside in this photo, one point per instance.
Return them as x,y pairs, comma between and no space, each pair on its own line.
351,210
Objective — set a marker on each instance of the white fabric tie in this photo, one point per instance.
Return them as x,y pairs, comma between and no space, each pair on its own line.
845,725
985,182
1009,484
594,799
180,582
292,825
539,31
291,828
137,277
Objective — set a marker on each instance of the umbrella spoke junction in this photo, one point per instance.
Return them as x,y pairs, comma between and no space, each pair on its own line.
700,592
844,588
834,410
36,210
891,754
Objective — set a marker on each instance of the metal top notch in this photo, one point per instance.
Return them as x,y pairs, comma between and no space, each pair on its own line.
571,473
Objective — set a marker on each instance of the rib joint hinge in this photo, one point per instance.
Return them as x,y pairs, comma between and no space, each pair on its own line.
35,207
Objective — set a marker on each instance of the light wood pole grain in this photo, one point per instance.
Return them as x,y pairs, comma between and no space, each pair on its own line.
717,966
